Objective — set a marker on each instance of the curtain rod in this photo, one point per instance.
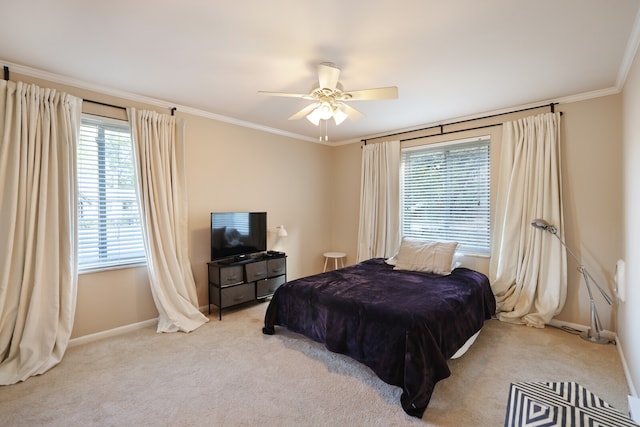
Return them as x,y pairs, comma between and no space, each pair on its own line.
6,77
173,109
441,127
104,104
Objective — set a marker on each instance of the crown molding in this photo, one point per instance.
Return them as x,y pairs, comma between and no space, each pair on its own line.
80,84
630,53
632,47
562,100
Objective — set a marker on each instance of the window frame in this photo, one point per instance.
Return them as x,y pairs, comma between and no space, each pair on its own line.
106,261
482,140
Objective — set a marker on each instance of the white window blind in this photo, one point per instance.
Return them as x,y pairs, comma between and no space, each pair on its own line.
446,194
109,231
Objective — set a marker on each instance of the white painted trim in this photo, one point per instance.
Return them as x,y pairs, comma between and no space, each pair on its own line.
242,123
629,53
563,100
56,78
612,336
625,367
634,408
121,330
85,339
80,84
585,96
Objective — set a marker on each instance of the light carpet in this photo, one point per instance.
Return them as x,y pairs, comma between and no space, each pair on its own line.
227,373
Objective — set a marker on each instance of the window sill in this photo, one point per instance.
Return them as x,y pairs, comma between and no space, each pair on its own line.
112,267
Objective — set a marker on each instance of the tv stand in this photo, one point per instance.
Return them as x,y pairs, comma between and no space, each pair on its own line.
238,280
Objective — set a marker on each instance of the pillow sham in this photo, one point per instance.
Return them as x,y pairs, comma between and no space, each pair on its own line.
429,257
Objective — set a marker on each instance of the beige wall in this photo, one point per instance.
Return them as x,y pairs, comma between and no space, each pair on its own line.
629,311
314,190
229,168
592,182
112,299
345,176
592,192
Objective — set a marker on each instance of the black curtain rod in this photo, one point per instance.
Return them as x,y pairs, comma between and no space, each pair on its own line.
441,127
173,109
104,104
451,131
6,77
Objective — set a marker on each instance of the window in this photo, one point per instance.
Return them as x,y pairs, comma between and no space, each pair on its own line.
446,194
109,230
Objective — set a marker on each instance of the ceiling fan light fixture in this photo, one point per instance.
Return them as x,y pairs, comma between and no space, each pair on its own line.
314,116
339,116
325,110
328,96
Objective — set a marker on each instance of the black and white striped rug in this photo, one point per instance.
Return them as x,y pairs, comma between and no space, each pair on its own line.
549,404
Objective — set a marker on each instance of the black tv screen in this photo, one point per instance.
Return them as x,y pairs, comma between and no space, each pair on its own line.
237,234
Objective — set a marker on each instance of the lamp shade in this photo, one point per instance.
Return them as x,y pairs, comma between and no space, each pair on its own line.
282,232
314,117
339,116
544,225
325,110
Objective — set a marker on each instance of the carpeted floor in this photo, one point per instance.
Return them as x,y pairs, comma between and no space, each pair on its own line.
229,374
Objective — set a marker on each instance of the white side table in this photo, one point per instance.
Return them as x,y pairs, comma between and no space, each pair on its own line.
336,256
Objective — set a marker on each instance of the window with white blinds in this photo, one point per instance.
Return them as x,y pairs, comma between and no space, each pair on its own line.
446,194
109,230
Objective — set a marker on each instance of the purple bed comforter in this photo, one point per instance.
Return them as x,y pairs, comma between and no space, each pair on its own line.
403,325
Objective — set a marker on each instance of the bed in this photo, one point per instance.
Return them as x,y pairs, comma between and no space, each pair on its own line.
404,325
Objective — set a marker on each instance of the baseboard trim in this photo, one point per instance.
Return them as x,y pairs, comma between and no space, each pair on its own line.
612,336
627,373
121,330
112,332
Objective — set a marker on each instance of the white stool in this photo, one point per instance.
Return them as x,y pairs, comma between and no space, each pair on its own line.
337,256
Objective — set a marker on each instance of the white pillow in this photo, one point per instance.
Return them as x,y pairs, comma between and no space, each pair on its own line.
456,261
430,257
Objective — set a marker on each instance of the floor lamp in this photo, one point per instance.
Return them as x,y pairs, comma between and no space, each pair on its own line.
593,333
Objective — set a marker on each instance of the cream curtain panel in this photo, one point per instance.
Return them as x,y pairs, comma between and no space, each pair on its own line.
159,156
38,260
528,268
379,228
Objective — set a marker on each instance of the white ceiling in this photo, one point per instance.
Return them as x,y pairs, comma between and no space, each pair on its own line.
449,59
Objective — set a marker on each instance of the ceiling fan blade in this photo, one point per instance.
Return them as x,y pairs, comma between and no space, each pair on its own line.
287,94
302,113
377,93
328,75
351,112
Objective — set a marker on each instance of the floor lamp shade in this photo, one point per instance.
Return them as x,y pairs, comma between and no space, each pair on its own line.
593,334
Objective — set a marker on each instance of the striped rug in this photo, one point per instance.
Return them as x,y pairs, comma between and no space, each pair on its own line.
548,404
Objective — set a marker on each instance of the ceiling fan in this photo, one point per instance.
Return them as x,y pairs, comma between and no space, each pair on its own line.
329,98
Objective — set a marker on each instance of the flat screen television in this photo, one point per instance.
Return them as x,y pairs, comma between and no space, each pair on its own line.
237,234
